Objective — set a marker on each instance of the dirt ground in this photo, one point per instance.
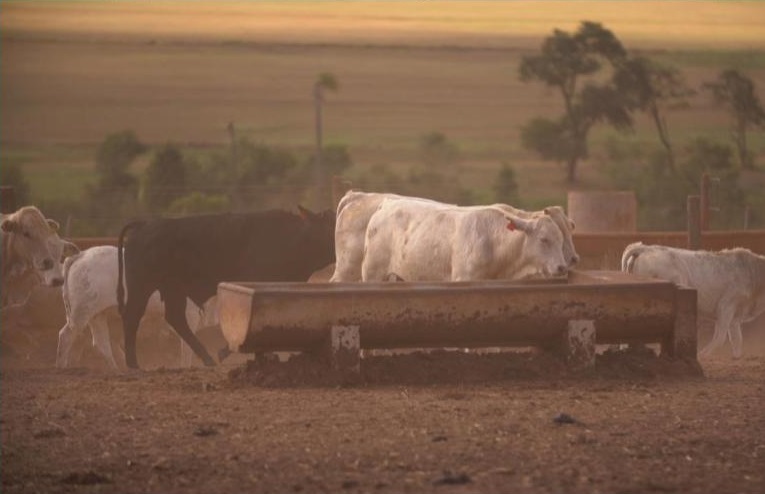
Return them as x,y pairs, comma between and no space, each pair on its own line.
435,422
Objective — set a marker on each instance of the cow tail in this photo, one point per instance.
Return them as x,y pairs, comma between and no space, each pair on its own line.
120,266
630,255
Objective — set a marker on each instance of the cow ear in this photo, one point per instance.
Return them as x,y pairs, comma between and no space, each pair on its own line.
519,224
550,210
10,226
52,224
70,249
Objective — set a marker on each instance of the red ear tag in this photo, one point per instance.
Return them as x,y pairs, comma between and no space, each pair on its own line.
511,226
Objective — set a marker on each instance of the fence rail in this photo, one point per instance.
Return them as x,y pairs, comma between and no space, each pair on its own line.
603,250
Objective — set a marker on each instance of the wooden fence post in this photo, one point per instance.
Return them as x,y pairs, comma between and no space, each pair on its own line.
704,202
694,223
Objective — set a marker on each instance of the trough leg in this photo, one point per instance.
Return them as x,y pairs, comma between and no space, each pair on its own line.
578,345
343,349
682,343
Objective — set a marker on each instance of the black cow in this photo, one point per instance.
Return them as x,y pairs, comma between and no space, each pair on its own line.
188,257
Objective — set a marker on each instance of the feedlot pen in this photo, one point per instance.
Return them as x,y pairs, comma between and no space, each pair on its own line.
567,315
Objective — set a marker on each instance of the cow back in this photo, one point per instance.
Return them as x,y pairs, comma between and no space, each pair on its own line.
201,251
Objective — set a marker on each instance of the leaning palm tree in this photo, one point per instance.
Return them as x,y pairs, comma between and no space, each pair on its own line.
325,81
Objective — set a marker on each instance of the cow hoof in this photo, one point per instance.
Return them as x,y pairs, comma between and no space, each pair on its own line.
223,354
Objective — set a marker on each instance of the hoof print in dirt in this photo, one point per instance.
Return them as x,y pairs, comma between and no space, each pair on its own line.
50,433
350,484
450,478
86,478
205,431
564,418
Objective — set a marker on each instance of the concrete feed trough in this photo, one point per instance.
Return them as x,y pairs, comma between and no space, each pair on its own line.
571,314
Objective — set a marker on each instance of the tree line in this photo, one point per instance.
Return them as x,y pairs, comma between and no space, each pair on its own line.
598,80
601,82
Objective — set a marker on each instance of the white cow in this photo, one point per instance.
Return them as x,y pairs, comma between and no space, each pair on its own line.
89,294
730,284
32,253
425,241
353,214
23,278
356,208
563,222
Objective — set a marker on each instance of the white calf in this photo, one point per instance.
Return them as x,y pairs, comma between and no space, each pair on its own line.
730,284
89,293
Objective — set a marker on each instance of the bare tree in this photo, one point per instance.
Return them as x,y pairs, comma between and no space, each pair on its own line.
737,92
566,62
652,88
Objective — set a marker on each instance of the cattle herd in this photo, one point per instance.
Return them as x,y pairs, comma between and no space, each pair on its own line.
170,268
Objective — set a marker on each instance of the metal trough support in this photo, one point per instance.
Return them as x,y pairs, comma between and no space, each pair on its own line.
571,314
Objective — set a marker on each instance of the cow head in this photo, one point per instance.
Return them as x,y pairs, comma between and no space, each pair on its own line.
543,246
566,226
60,249
319,233
28,234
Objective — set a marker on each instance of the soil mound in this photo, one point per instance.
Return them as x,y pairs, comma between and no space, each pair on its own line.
458,367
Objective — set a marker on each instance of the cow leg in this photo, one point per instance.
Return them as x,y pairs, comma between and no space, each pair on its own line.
186,355
113,321
194,319
66,337
725,313
175,314
75,355
134,310
736,338
99,330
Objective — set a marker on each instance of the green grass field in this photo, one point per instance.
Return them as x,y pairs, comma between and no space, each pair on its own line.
72,72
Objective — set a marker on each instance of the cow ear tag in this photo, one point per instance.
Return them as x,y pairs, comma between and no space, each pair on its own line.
511,226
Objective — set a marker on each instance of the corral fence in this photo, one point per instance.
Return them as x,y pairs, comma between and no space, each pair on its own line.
597,250
603,251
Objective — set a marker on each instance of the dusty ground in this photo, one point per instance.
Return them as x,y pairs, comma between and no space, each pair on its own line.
443,422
